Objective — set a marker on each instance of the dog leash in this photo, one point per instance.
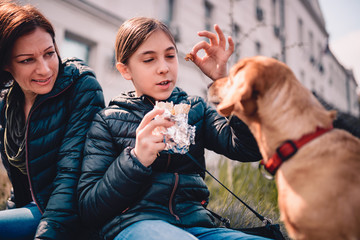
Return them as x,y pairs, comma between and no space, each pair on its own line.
265,220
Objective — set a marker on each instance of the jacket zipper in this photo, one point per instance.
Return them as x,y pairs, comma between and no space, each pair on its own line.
175,184
168,162
172,196
26,148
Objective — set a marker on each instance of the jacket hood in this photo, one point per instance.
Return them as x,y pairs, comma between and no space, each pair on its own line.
71,69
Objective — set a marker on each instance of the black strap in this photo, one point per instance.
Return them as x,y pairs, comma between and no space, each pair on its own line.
262,218
225,221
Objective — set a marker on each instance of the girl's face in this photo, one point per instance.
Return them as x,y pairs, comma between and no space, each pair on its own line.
153,67
34,63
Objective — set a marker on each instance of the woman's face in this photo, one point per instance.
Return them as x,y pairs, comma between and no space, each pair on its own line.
34,63
153,67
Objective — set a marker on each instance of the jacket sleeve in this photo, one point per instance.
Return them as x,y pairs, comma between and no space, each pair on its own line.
61,219
229,137
112,178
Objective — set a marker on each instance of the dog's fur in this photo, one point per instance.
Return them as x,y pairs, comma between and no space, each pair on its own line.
319,187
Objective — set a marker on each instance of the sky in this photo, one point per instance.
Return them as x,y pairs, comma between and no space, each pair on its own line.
342,20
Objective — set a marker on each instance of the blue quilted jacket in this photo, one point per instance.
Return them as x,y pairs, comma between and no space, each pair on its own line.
57,126
116,190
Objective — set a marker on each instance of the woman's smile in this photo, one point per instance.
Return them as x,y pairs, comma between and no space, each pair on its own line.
42,81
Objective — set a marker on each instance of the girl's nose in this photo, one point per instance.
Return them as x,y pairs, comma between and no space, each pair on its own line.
163,67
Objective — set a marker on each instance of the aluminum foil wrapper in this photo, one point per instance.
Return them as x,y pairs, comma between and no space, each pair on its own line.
179,136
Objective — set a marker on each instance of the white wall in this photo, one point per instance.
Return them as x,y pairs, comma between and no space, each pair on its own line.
98,22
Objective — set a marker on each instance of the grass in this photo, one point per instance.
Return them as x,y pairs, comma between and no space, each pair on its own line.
248,183
5,187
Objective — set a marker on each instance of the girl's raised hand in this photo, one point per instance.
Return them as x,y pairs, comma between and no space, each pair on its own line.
147,144
214,63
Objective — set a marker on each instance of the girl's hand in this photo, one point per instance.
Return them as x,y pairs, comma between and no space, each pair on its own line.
213,64
147,144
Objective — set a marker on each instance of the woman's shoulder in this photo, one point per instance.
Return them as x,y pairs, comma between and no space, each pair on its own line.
79,79
77,71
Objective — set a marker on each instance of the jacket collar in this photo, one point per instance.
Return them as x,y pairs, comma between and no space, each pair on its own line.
70,70
130,101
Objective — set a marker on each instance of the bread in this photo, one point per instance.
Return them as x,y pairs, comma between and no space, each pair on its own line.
189,56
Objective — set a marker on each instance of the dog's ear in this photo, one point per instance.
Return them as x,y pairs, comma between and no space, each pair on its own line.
248,98
226,106
240,97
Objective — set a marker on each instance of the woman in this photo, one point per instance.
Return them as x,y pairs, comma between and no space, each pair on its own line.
45,111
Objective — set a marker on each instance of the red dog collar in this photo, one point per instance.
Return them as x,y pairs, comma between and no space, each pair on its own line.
289,148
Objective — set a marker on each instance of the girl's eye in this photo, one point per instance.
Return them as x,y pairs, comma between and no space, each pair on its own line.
170,56
148,60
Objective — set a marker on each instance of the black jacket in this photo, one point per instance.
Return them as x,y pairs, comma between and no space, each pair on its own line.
115,189
57,126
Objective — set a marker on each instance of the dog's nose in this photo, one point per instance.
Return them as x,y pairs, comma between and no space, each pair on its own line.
213,98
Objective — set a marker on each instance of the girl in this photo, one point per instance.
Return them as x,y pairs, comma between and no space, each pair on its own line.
130,187
45,111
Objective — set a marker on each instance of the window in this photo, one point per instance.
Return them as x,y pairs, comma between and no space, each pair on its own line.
174,28
311,47
320,61
236,34
170,12
300,31
302,77
75,46
331,70
274,12
208,14
258,49
313,87
259,12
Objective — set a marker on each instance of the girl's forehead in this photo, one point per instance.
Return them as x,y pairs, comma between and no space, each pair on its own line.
158,40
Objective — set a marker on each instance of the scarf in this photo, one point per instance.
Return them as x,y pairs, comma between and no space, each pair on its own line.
15,130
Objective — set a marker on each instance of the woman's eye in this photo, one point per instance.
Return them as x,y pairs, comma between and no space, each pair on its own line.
50,53
26,60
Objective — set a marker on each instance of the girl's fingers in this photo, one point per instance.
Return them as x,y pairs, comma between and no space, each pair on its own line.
231,45
211,36
156,123
201,45
222,40
158,138
149,117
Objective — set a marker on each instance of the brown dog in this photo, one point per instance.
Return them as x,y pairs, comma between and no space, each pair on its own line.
319,184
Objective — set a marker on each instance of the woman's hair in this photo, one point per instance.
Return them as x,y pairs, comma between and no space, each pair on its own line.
133,32
17,21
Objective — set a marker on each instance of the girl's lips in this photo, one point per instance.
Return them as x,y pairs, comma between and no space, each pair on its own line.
164,84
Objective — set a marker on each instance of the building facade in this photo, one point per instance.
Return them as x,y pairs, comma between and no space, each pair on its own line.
293,31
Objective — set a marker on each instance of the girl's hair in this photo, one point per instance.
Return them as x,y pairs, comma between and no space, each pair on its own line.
17,21
133,32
